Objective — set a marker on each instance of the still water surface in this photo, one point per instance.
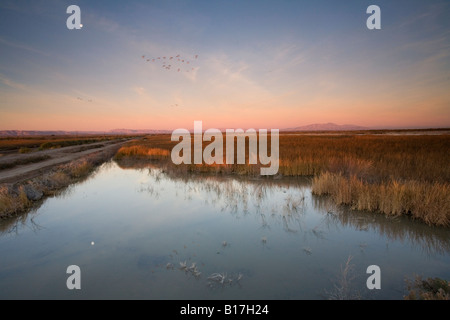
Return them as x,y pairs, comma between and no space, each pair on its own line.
129,230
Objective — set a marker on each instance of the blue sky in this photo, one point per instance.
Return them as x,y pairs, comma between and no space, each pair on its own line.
263,64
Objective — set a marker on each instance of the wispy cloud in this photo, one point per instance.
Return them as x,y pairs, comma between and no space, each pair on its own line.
22,46
427,19
12,84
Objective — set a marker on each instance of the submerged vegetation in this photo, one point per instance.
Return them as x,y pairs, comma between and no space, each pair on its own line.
392,174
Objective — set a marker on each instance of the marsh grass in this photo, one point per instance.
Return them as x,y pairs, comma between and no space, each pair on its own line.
25,150
392,174
429,289
13,201
142,151
60,179
423,200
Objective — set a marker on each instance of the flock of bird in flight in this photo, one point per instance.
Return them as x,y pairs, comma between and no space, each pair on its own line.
178,63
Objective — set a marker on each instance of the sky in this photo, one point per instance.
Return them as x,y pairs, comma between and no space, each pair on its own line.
252,64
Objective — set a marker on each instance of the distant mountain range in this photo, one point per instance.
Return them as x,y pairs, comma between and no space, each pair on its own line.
327,127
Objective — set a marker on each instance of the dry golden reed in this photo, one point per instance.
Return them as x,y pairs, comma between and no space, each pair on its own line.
393,174
427,201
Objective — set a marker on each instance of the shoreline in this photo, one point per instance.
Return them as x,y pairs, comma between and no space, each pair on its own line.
19,193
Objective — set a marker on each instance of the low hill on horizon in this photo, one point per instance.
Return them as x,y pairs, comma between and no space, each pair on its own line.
327,127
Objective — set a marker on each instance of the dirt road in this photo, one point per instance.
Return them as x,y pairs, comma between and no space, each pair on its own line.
56,157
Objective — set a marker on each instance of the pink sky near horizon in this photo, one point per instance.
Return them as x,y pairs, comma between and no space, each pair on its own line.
248,74
108,115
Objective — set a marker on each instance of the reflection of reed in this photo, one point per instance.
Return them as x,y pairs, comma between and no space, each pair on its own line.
242,196
15,204
238,195
14,224
432,240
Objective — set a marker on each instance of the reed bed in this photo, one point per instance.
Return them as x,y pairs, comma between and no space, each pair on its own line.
427,201
391,174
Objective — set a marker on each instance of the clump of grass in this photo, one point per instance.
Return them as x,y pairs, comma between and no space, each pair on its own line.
60,179
426,201
13,202
142,152
6,204
25,150
429,289
79,169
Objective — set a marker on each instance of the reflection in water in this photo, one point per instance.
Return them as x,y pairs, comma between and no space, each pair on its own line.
168,235
240,196
26,220
432,240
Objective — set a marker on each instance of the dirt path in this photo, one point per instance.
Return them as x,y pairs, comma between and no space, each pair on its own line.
57,157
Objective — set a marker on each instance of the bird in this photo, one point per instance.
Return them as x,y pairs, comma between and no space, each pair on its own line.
177,62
